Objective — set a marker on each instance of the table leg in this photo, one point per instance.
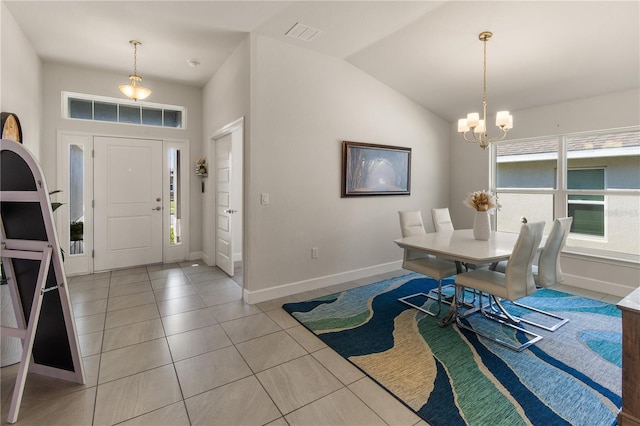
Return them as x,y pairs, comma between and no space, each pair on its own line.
450,316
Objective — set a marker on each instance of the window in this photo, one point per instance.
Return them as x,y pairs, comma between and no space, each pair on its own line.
76,199
175,197
587,210
87,107
594,177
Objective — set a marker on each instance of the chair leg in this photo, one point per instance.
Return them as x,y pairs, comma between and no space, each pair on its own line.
438,298
500,313
560,323
494,317
505,315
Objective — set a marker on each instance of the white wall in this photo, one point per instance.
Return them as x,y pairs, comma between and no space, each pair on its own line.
58,78
303,104
20,81
470,172
225,99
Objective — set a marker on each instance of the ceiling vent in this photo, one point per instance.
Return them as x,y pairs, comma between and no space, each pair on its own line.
303,32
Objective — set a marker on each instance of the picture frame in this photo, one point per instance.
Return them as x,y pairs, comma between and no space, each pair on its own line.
371,169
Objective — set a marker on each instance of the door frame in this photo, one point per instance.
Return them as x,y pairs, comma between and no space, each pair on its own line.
83,264
236,129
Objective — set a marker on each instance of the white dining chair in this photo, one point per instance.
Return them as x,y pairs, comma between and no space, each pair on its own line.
546,268
548,272
441,219
515,283
411,224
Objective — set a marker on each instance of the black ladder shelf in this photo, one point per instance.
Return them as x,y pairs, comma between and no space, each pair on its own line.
35,275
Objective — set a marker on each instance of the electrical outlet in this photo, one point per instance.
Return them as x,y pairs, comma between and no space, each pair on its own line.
314,252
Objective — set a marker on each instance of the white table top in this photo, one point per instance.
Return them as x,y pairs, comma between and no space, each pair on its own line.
461,246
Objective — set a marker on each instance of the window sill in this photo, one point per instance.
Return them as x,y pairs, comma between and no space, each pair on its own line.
610,258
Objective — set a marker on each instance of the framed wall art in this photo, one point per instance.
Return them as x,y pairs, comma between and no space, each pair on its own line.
369,169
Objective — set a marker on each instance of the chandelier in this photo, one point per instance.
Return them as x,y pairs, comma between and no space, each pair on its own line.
135,90
476,127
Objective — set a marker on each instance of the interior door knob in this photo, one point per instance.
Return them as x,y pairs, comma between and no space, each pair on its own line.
157,208
230,211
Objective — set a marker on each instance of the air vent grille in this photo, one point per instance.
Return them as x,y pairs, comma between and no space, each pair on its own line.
303,32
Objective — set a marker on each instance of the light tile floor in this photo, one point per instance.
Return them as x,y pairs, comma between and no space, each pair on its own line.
176,345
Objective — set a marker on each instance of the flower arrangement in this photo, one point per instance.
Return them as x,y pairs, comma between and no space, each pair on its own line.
482,201
201,167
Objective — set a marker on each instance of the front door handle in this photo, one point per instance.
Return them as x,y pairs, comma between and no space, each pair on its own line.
157,208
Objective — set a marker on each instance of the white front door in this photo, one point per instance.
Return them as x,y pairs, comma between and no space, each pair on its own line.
128,202
224,205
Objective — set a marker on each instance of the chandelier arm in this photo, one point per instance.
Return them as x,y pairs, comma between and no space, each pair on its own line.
499,137
473,135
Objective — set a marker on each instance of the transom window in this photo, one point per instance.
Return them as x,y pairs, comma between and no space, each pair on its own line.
87,107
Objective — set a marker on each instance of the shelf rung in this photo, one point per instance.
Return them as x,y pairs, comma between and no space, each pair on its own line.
13,332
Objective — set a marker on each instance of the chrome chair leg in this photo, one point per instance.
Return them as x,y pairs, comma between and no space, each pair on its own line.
504,314
497,318
437,298
561,321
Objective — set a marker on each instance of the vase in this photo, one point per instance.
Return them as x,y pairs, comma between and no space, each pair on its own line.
481,226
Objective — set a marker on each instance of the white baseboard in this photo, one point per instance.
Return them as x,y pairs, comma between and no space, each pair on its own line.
196,255
284,290
614,289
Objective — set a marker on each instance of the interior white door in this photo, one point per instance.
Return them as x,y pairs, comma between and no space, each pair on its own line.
224,205
128,202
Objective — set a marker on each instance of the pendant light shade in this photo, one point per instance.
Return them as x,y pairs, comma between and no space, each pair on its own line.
135,90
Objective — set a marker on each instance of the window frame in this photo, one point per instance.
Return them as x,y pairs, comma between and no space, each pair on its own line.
118,102
561,193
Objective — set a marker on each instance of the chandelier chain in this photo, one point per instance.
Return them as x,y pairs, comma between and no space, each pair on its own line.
135,59
484,81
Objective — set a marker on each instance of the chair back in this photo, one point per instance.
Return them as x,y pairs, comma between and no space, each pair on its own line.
518,274
411,223
441,219
549,271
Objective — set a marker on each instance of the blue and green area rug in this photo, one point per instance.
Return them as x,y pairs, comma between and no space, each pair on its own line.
449,376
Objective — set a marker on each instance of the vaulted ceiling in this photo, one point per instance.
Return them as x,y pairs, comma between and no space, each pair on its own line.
542,52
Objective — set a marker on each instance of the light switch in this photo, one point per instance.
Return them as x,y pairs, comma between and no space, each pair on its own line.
264,198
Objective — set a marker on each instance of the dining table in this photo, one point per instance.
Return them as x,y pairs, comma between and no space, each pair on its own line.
461,247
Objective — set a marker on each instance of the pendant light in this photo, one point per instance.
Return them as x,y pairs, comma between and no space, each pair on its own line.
135,90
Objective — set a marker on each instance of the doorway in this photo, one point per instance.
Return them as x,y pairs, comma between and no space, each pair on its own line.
123,201
226,148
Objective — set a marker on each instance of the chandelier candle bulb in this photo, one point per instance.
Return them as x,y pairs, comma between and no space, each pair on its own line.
502,118
462,125
472,119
